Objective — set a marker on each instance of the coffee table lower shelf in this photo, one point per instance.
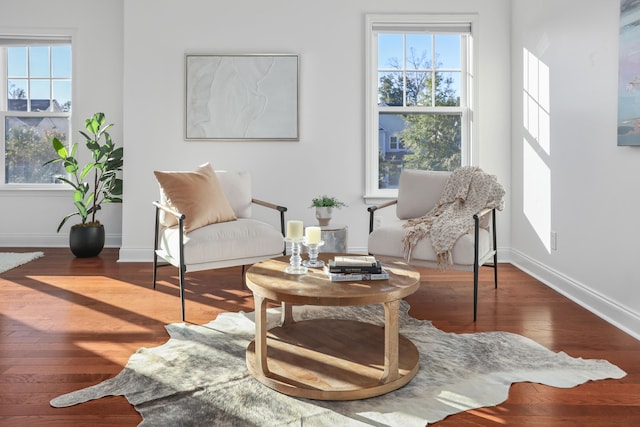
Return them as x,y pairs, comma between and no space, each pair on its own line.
330,359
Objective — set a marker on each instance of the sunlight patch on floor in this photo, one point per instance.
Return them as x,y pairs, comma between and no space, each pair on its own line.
73,295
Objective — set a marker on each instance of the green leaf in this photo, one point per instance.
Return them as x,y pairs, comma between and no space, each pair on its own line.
64,220
78,195
60,148
118,153
116,188
52,161
80,206
87,137
68,182
71,165
86,170
107,137
93,124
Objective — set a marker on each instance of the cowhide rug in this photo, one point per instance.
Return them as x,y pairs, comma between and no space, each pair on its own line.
199,377
9,260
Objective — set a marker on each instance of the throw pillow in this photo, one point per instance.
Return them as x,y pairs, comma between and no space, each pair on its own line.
198,195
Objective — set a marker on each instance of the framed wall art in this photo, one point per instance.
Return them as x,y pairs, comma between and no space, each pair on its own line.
629,74
241,97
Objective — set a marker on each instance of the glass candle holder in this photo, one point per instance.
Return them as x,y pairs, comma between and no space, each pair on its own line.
295,262
314,250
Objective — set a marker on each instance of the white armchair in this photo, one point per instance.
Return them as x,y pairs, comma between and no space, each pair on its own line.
203,221
418,193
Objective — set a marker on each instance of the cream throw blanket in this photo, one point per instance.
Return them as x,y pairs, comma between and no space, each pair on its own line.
467,191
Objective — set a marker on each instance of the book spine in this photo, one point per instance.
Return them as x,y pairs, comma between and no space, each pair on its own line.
354,277
353,269
376,276
344,277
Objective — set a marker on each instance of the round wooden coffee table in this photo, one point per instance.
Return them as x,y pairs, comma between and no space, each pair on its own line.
330,359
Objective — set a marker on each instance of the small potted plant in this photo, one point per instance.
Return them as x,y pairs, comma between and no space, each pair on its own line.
324,208
95,183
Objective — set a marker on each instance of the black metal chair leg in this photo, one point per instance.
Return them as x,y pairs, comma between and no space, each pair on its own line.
155,268
155,248
495,270
182,290
476,266
182,267
475,291
495,248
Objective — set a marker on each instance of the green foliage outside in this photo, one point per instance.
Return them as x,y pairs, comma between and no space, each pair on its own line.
27,148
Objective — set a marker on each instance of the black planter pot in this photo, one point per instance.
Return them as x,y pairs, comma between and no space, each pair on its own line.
86,241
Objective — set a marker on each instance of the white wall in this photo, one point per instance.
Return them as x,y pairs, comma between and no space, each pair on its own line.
591,199
30,218
329,158
129,63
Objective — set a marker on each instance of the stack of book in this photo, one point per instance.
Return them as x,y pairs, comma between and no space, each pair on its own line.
355,267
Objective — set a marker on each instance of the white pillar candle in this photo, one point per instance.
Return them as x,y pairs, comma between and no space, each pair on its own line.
313,235
294,229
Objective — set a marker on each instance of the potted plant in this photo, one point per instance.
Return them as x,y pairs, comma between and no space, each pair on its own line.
95,183
324,208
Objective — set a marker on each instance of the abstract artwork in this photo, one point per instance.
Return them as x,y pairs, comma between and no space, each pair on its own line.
629,74
241,97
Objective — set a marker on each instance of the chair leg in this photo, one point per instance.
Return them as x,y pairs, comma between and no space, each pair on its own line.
475,290
181,278
476,264
155,247
495,269
183,267
155,268
495,248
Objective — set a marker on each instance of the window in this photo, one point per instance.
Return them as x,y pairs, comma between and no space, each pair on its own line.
35,107
418,97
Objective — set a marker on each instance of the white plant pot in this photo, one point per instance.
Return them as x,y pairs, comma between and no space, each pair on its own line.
323,214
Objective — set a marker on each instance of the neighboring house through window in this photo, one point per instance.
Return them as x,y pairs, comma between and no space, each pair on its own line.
35,107
418,96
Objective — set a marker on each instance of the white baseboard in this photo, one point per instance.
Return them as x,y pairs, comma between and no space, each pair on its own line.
621,317
136,255
60,240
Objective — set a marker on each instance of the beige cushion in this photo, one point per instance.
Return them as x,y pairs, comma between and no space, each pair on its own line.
198,195
237,188
419,192
387,241
229,241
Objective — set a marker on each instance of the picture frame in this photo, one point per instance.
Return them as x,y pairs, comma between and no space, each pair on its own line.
249,97
629,77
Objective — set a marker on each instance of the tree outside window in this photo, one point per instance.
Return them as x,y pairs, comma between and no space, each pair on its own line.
414,77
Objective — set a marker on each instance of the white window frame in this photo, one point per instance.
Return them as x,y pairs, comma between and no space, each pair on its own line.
432,23
23,39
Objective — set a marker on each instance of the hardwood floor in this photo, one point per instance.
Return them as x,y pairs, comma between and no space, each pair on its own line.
68,323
